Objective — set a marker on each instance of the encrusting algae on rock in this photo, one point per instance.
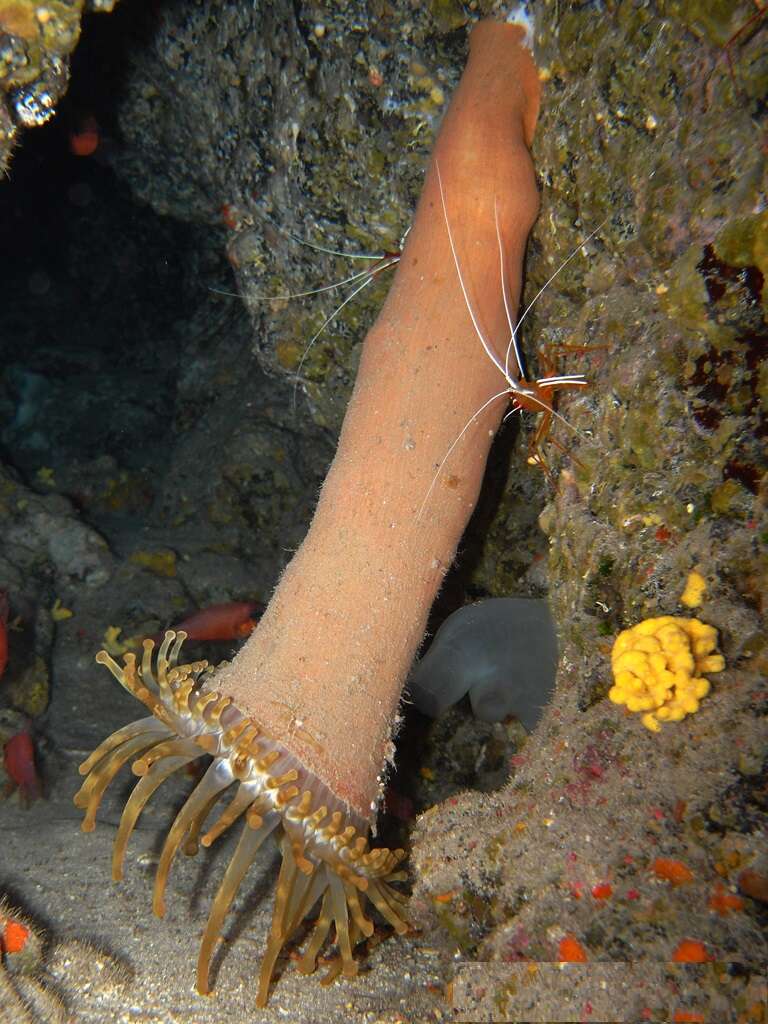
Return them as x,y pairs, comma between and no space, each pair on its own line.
658,665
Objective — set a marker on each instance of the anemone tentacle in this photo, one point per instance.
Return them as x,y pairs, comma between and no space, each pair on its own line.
325,849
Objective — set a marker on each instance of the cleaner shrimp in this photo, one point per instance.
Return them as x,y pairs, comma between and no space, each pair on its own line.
357,282
525,394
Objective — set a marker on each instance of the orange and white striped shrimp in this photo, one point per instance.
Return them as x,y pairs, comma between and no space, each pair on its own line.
526,394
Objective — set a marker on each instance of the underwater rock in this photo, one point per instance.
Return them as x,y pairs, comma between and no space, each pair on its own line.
666,320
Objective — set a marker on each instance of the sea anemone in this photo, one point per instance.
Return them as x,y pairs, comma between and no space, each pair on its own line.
324,847
301,722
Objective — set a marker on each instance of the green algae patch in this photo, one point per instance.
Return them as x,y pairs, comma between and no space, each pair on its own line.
713,20
495,846
685,298
744,242
288,353
30,692
162,561
728,498
640,436
448,15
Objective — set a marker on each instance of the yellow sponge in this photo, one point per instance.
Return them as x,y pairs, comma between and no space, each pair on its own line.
658,666
695,588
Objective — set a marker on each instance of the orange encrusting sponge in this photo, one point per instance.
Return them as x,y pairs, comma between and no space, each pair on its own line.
658,666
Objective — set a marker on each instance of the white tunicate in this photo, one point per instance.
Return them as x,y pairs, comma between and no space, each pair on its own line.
502,652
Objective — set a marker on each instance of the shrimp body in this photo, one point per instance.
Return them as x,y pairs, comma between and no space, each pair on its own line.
536,395
525,395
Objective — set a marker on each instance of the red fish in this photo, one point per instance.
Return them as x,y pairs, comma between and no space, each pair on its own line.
84,141
19,760
227,621
3,631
